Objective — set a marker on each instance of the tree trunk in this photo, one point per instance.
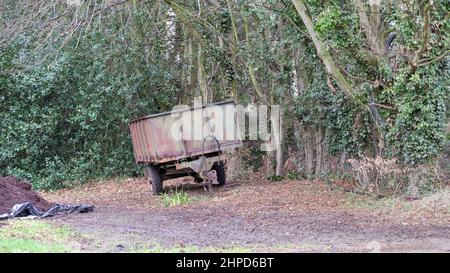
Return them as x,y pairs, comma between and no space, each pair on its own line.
279,152
319,150
308,147
330,66
201,78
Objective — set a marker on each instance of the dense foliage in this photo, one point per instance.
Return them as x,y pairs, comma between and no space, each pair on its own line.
66,117
65,110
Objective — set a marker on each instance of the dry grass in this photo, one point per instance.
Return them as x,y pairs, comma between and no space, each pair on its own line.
432,209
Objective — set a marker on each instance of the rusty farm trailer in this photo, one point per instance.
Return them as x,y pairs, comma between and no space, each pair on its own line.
168,156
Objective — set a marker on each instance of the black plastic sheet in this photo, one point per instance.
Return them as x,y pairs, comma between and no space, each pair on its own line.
28,209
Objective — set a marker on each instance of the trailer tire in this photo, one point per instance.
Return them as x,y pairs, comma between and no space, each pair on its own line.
219,167
154,178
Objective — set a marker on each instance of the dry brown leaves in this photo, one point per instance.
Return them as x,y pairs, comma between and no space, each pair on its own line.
249,198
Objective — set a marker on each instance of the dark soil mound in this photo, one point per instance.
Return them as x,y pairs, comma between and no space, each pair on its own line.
14,191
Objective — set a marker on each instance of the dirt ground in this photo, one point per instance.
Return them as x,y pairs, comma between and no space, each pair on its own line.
15,191
263,216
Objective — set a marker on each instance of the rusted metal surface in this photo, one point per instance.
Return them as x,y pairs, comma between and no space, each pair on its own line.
153,142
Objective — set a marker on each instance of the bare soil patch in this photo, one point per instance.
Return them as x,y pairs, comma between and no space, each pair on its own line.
14,191
266,216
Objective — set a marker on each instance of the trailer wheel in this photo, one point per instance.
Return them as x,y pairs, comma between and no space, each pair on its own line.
154,179
219,167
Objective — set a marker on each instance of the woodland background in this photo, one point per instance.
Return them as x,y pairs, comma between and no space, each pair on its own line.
363,85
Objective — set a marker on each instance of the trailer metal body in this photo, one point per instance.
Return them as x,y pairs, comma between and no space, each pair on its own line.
166,156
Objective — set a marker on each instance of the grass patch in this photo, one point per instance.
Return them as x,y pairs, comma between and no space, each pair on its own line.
175,198
20,236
